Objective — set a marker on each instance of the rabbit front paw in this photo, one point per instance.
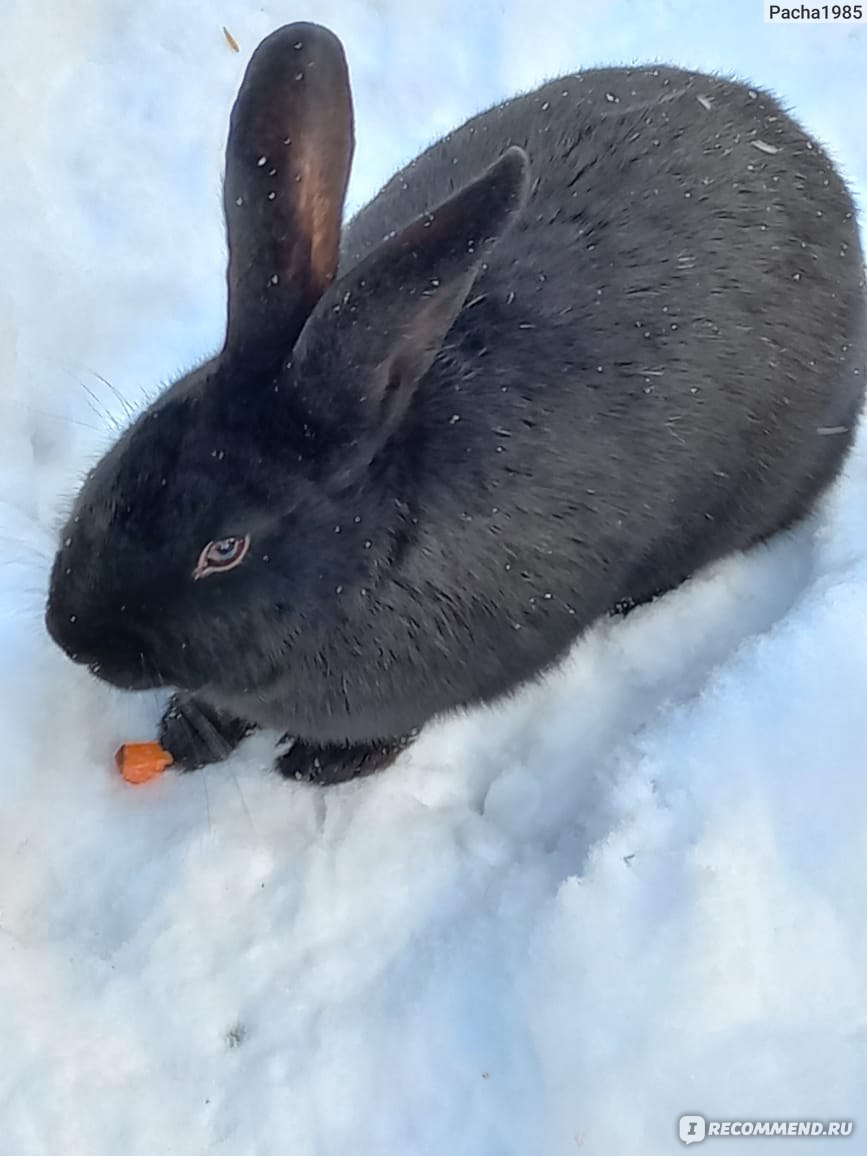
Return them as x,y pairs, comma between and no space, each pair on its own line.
195,734
326,765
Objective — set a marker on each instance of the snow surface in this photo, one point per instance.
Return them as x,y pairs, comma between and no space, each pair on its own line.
635,891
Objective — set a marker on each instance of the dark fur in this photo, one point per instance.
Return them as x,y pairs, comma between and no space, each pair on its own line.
548,379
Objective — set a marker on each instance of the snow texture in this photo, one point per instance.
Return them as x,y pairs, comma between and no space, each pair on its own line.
634,891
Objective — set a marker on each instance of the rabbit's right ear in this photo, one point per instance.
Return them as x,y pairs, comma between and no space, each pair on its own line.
287,166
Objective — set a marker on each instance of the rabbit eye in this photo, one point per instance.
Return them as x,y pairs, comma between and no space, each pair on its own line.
221,554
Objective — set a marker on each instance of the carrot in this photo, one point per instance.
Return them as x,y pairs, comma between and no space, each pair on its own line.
141,762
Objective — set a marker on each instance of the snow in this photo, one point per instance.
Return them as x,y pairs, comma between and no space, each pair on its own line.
634,891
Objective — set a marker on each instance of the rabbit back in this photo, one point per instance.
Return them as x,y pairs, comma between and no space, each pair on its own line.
672,334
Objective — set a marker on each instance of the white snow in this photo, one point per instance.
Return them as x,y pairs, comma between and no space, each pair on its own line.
636,891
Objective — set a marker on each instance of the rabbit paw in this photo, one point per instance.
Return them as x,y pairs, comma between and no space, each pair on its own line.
195,734
326,765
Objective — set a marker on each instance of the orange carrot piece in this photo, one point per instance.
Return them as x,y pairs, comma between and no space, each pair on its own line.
141,762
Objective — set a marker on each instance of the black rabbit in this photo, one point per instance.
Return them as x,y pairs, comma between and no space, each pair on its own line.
594,339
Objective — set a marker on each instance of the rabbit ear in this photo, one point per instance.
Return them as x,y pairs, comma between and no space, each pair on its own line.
287,166
393,311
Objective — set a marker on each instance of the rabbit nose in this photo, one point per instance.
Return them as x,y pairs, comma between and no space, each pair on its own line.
60,627
85,642
65,631
117,654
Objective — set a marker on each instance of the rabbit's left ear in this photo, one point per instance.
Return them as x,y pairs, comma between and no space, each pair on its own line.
287,166
382,325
